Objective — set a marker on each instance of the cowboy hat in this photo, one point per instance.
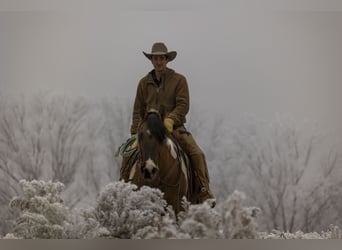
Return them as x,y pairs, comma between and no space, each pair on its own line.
160,49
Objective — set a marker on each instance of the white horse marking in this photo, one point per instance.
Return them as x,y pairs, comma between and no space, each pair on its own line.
173,152
132,173
149,164
172,148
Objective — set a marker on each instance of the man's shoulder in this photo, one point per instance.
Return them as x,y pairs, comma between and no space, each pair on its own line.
145,79
177,75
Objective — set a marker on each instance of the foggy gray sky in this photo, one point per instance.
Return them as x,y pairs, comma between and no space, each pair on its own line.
254,57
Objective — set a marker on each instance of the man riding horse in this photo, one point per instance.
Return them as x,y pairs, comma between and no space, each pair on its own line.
163,88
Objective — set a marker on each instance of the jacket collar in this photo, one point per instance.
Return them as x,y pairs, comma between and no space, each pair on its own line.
168,73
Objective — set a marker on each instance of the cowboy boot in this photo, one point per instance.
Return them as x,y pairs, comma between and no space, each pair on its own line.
202,176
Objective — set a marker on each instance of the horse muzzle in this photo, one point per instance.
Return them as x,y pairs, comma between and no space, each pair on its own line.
149,170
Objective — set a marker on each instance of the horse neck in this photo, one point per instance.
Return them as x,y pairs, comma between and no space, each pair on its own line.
170,153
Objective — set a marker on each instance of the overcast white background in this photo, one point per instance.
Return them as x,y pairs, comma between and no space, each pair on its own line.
240,57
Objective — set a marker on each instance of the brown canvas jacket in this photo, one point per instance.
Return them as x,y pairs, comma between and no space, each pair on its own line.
172,94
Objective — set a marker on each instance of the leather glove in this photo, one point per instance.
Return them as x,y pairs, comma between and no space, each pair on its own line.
168,122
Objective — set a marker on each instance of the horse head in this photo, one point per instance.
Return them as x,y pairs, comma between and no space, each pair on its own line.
151,136
160,162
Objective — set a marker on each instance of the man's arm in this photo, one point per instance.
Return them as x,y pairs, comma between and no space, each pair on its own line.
137,109
182,102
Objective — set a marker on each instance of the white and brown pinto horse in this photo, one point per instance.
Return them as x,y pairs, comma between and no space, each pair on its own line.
160,162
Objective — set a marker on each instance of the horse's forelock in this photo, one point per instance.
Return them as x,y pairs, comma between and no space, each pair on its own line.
156,127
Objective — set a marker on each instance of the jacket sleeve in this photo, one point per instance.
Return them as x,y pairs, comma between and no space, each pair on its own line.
182,102
138,109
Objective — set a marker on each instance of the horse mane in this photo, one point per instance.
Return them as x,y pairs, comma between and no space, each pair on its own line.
156,126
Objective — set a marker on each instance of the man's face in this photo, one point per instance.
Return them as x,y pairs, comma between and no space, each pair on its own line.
159,63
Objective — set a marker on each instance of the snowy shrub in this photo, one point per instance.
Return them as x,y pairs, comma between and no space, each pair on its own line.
238,221
200,221
167,229
10,237
127,212
130,213
276,234
334,232
42,215
233,222
83,226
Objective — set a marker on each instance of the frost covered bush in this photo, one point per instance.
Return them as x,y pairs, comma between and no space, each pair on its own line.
200,221
83,226
126,212
238,221
333,232
275,234
233,222
122,211
10,237
42,214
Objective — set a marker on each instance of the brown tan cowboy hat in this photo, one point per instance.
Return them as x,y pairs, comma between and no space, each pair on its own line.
160,49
